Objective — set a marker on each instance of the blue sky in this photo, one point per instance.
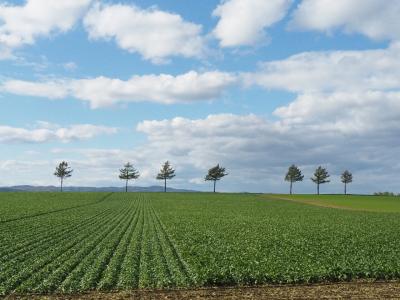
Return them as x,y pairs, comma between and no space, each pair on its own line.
252,84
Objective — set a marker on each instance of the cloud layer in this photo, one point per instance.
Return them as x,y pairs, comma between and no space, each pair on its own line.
332,71
23,25
102,91
243,22
375,19
46,132
154,34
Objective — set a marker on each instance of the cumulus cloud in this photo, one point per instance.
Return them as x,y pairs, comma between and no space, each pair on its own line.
104,91
49,89
375,19
243,22
45,132
332,71
258,151
156,35
23,24
373,113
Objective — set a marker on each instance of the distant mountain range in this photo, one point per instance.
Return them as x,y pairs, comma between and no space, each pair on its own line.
30,188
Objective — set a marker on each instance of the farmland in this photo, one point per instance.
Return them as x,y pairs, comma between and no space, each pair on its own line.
76,242
353,202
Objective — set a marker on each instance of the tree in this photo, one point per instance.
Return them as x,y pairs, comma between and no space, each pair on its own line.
166,172
320,177
62,172
128,172
215,174
346,178
293,175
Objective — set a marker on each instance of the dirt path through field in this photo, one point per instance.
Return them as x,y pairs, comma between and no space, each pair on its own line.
317,203
354,290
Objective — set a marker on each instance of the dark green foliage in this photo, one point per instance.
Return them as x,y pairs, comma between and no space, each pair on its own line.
320,177
346,178
63,171
166,172
293,175
128,173
215,173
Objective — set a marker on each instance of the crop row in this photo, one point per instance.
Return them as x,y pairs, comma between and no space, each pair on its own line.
245,239
114,244
133,240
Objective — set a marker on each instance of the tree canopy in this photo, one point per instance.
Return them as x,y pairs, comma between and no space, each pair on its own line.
321,176
128,172
166,172
293,175
215,174
346,178
63,171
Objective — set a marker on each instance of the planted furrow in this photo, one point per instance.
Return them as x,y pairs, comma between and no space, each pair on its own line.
109,276
183,267
24,257
83,261
57,234
146,276
53,211
58,271
171,263
106,250
29,231
162,269
54,251
130,270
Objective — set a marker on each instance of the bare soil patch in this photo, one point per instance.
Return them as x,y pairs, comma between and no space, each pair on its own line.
352,290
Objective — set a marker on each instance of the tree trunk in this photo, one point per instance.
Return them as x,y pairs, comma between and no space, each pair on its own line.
345,188
165,185
214,185
126,186
291,184
61,187
317,188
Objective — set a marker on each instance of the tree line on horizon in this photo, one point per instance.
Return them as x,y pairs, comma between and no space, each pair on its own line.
216,173
129,172
320,176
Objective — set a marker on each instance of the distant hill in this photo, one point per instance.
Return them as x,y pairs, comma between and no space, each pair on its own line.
50,188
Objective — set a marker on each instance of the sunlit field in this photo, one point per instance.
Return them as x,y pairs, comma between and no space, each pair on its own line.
75,242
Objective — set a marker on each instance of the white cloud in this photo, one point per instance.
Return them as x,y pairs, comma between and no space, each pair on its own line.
376,19
373,113
243,22
46,132
332,71
255,150
154,34
49,89
22,25
103,91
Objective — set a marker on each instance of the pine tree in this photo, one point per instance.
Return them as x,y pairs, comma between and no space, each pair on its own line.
320,177
215,174
166,172
128,172
62,172
346,178
293,175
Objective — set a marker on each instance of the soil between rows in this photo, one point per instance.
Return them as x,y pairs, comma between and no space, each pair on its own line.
351,290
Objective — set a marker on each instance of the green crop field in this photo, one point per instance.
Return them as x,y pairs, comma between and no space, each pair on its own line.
365,203
75,242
